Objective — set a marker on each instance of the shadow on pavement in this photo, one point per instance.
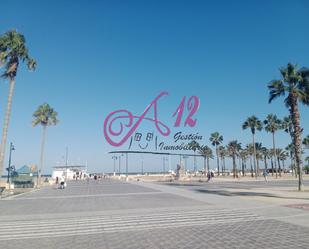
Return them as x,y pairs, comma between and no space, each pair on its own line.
228,193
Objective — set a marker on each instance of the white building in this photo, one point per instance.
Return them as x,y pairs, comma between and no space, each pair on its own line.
69,172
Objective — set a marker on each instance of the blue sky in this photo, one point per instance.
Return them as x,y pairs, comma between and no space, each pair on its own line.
98,56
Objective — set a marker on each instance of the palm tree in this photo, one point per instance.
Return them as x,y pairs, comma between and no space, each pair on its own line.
249,148
206,152
222,153
244,156
45,116
259,155
282,156
216,139
294,83
233,148
13,50
254,124
193,145
272,124
266,154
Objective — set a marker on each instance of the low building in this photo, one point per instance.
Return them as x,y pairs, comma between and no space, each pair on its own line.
70,172
27,171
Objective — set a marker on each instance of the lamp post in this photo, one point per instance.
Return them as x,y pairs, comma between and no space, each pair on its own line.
119,157
10,167
115,158
127,167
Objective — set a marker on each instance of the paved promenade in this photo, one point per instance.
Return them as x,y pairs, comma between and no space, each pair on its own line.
115,214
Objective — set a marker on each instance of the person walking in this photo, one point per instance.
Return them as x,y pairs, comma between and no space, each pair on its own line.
265,174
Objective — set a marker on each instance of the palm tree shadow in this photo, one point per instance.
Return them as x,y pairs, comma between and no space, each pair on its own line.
231,194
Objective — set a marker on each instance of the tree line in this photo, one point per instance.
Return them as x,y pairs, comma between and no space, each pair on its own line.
294,86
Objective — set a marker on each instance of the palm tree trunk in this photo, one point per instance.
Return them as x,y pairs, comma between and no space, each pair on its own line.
217,153
42,154
297,139
204,165
223,165
6,124
279,167
272,165
194,158
234,166
265,162
254,155
251,169
275,154
207,164
292,167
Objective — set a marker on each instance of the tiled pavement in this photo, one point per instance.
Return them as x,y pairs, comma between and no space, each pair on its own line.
112,214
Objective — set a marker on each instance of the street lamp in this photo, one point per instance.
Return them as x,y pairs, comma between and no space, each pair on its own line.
10,167
142,169
119,163
127,167
115,158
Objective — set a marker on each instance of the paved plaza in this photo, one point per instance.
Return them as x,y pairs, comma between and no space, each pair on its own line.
118,214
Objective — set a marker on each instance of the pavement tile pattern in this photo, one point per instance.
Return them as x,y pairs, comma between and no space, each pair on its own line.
114,214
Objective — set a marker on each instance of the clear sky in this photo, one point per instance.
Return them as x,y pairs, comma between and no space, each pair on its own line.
98,56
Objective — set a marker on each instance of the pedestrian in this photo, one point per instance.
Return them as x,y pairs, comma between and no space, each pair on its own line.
265,174
62,183
208,176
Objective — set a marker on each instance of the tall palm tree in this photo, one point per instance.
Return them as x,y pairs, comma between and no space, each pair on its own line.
13,50
294,83
45,116
233,148
207,154
193,145
272,124
216,139
254,124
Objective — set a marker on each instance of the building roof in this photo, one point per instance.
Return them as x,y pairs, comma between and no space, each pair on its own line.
24,170
69,167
